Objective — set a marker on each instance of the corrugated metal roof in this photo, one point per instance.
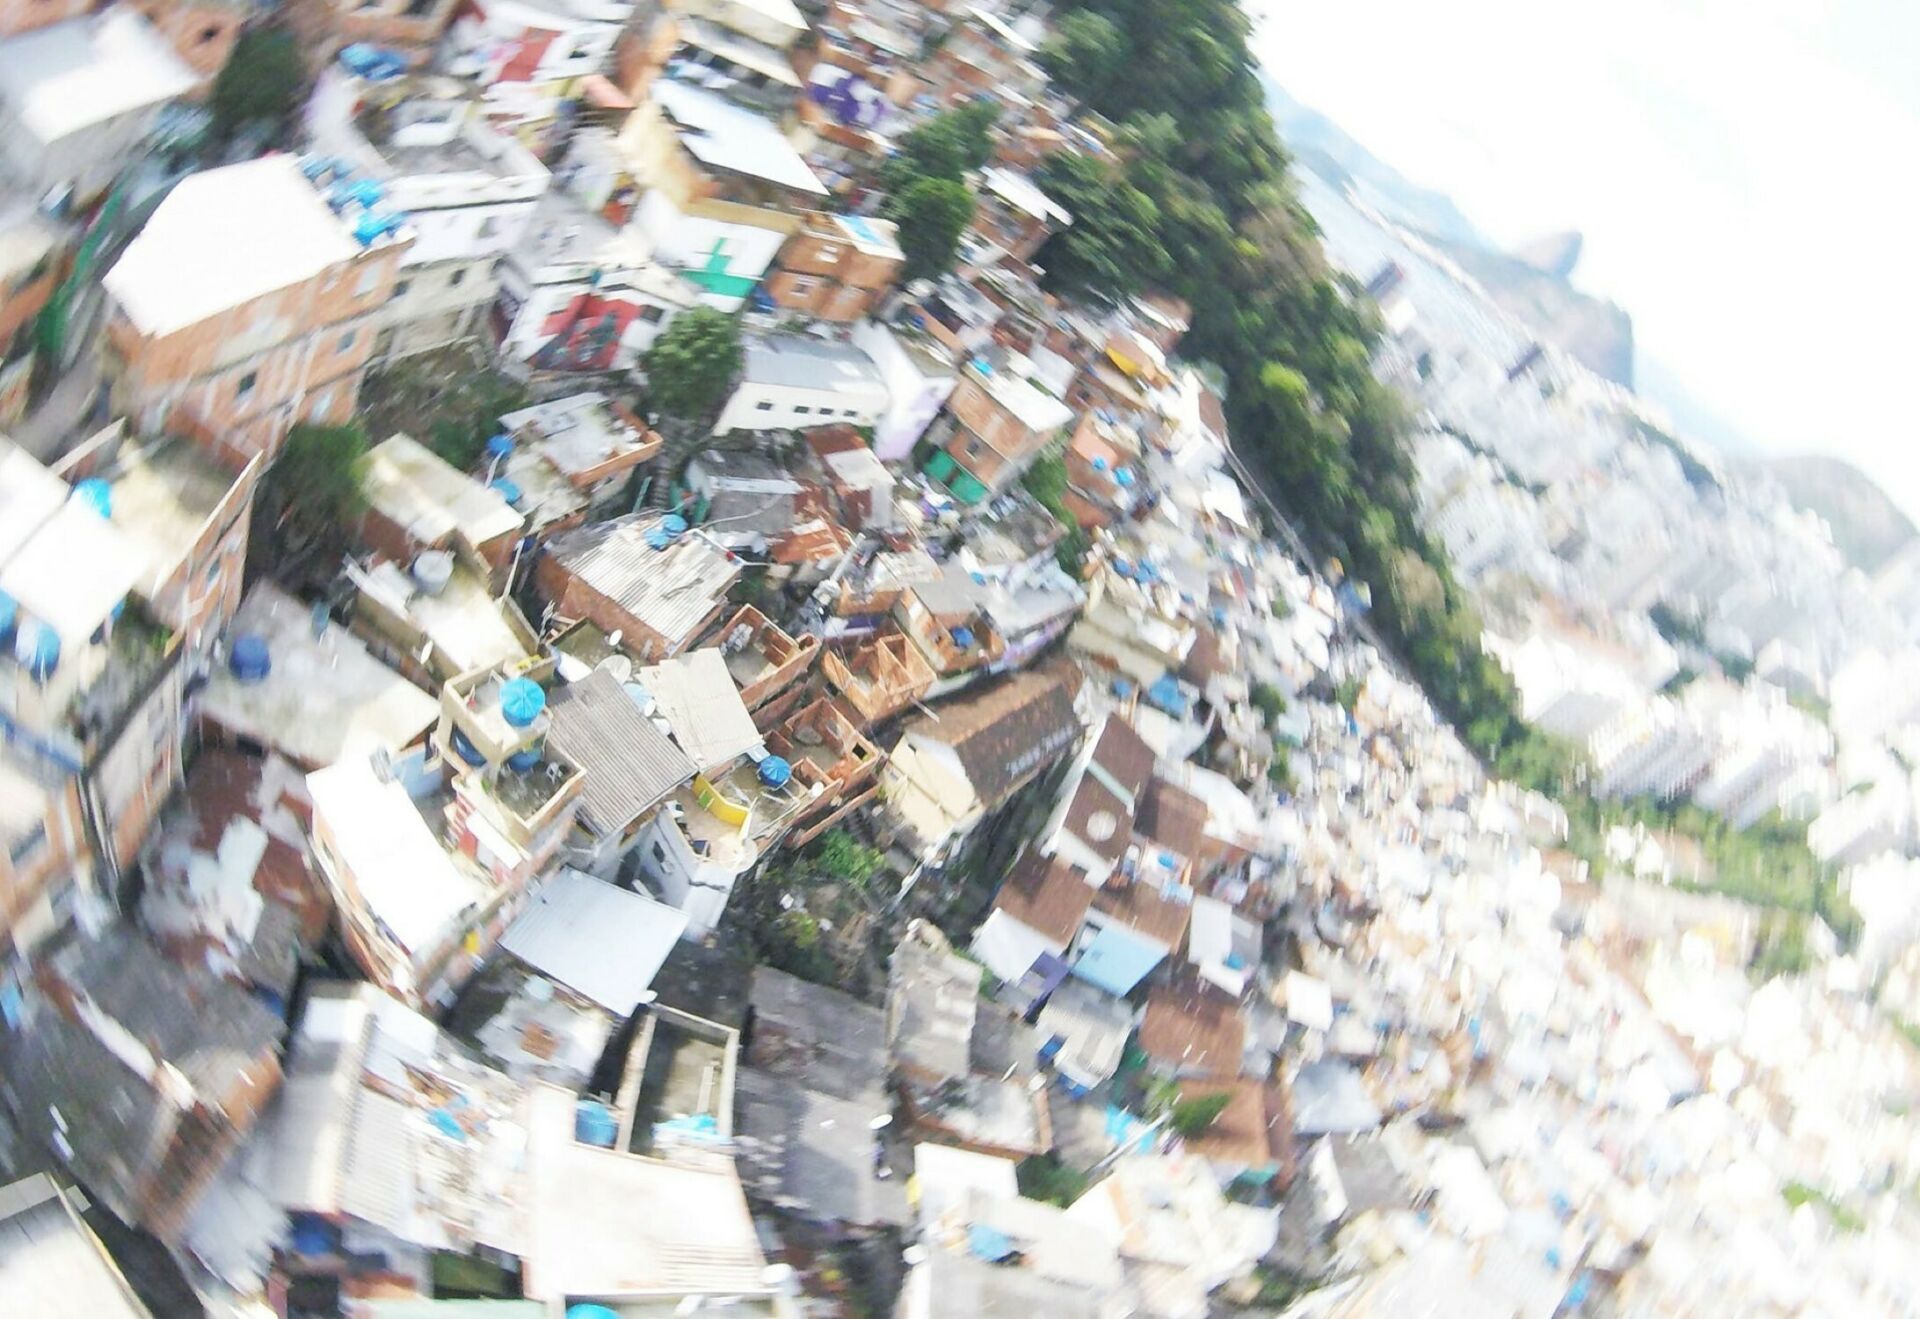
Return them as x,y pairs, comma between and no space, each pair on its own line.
50,1263
671,590
629,764
376,1174
604,942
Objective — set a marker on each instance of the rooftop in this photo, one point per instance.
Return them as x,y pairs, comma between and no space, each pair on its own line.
1020,191
227,884
610,1225
50,1261
86,71
872,236
1006,732
430,499
581,432
802,362
326,698
629,765
725,136
817,1037
597,939
932,996
1046,895
671,590
697,697
812,1153
1192,1028
224,237
162,496
1030,405
469,628
392,858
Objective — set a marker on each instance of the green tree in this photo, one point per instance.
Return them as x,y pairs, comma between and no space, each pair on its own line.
945,147
262,83
1086,46
846,858
1112,249
932,214
1269,701
311,497
692,364
1193,1116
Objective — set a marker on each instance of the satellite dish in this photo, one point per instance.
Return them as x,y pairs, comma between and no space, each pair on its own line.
619,666
1101,826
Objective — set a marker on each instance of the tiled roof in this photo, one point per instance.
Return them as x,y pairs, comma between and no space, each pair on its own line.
1255,1128
1173,817
1099,819
1008,732
628,764
1045,895
1193,1028
1142,907
1124,755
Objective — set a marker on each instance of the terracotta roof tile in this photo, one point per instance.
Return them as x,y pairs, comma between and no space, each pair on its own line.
1008,732
1194,1029
1125,755
1253,1129
1142,907
1099,819
1045,895
1173,817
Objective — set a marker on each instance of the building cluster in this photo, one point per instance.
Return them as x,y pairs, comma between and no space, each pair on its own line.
376,942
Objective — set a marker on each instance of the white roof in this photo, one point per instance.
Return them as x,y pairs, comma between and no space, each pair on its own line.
403,876
721,134
29,495
73,570
601,941
1020,191
51,1263
610,1224
86,71
1035,409
224,237
784,12
1309,1001
325,698
415,487
697,697
948,1177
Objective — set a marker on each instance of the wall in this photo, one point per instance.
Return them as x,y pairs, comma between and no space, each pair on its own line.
694,886
203,35
18,16
794,407
914,399
30,883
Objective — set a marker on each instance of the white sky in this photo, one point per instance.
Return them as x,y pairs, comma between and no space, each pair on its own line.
1746,173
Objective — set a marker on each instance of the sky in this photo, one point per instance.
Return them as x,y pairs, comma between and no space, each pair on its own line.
1746,174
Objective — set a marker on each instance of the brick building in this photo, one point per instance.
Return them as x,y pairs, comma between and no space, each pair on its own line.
836,268
246,303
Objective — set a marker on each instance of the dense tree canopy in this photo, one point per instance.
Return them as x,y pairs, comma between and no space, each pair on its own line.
932,214
261,84
692,364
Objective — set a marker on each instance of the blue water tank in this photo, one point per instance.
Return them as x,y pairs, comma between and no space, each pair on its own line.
962,637
775,771
499,446
587,1310
593,1124
367,192
37,647
9,615
522,761
1099,463
1124,476
368,227
464,748
250,660
97,494
521,702
673,524
509,490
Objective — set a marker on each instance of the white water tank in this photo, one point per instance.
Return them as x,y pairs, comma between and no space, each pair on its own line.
433,570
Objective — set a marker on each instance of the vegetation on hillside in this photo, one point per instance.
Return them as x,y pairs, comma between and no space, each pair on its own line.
926,185
1194,197
261,84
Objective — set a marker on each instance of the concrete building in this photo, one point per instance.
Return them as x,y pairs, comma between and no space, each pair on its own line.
469,193
410,28
660,598
919,376
248,304
743,47
80,99
792,382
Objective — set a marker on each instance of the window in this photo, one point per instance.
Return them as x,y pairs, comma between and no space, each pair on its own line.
763,406
346,340
368,278
802,411
973,448
488,227
652,315
247,382
400,287
456,279
209,34
659,853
